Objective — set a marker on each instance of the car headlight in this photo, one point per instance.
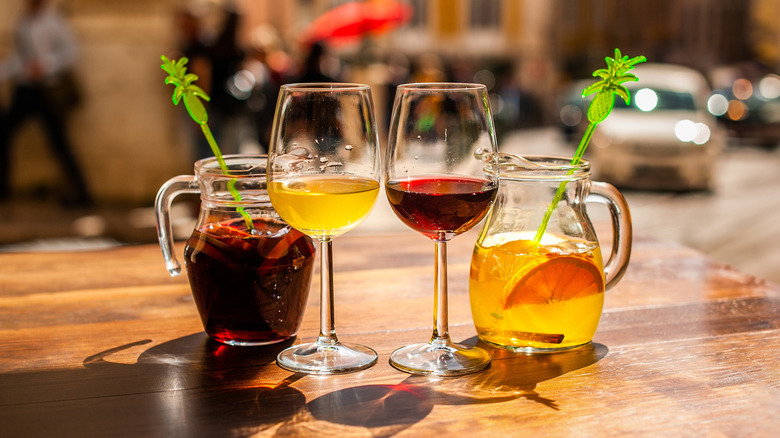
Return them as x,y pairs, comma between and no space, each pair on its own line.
702,134
646,99
688,131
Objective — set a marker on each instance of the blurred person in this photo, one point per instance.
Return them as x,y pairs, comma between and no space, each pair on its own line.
312,68
397,74
191,42
519,108
215,56
266,81
44,54
225,57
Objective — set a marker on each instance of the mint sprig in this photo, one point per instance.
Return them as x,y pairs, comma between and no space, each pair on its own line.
611,84
192,94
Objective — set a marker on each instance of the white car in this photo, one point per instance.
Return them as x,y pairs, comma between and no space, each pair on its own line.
665,139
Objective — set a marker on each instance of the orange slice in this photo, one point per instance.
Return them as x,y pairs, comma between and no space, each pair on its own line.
501,261
553,279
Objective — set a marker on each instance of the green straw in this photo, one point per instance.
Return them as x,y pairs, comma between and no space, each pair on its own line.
192,94
611,84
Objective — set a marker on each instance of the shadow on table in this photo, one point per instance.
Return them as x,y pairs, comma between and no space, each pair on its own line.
515,375
388,409
189,386
192,386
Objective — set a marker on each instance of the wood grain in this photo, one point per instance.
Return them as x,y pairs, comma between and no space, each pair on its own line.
106,343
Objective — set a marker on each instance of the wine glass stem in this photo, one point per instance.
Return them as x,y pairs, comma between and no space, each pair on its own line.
441,333
327,319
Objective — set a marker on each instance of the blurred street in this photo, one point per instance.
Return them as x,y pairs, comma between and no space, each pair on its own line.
738,223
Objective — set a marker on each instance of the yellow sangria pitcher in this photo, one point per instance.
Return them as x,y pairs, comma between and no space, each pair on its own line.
537,276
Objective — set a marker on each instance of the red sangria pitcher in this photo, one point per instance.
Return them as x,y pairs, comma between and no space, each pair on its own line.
249,271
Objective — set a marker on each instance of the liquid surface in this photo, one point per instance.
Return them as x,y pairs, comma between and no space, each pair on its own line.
323,206
526,295
250,289
441,206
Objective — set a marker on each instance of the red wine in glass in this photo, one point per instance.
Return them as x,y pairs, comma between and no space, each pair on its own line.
441,206
441,139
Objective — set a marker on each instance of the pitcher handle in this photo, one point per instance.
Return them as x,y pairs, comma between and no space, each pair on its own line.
622,233
162,208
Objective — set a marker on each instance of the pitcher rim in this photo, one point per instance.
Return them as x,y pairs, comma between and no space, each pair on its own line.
535,167
210,166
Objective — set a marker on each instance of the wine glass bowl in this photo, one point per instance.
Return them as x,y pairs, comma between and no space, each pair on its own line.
323,179
440,136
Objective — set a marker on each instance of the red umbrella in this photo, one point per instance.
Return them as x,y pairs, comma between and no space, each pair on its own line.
351,21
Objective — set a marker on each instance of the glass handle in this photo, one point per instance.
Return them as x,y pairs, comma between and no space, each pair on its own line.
162,210
622,232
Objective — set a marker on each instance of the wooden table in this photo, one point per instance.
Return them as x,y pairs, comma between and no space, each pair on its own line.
105,343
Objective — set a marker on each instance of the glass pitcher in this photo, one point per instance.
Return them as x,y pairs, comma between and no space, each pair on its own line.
536,287
249,271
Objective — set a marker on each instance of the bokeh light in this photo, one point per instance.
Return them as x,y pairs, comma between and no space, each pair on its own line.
685,130
702,134
241,84
717,104
742,89
690,131
646,99
571,115
486,78
769,86
737,110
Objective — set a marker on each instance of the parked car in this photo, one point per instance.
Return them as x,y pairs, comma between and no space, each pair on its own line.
665,139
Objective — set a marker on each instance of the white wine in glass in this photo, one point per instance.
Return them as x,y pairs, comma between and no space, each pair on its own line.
323,179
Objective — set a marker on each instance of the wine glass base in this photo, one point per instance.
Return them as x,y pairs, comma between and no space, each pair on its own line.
439,359
317,358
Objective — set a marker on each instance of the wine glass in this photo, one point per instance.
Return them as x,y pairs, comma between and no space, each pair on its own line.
323,179
440,135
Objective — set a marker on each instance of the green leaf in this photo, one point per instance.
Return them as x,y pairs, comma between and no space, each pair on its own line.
594,88
185,89
197,91
196,109
623,93
180,66
177,94
189,78
603,73
192,95
167,65
628,77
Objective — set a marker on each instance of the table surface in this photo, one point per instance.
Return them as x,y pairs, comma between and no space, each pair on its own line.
106,343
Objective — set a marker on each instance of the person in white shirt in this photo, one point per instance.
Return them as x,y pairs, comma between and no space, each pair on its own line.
45,52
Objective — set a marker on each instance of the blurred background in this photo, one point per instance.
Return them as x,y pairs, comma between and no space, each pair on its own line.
698,160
